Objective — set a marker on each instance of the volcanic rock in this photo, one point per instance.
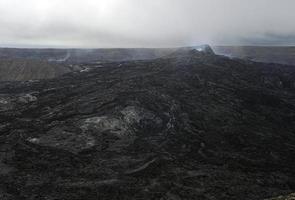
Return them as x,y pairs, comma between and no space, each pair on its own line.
191,125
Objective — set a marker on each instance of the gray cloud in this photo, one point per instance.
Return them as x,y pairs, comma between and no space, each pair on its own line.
146,23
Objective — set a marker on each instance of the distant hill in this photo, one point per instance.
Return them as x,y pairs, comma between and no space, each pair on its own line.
271,54
280,55
85,55
28,64
23,69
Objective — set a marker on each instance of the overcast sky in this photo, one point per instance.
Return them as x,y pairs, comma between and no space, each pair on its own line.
146,23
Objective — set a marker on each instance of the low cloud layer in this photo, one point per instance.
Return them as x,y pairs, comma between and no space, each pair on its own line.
145,23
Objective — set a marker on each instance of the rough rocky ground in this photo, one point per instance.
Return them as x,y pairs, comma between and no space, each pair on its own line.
192,125
288,197
26,69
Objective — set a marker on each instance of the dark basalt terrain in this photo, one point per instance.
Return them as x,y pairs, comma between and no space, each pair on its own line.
267,54
287,197
37,64
191,125
85,55
26,69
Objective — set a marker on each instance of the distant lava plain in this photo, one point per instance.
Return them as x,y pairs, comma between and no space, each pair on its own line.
36,64
189,125
15,69
268,54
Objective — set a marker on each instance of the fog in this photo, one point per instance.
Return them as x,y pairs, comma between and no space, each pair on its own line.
145,23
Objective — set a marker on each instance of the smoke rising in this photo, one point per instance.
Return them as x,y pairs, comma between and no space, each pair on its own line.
145,23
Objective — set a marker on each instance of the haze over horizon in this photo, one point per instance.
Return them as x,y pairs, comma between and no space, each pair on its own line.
143,23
